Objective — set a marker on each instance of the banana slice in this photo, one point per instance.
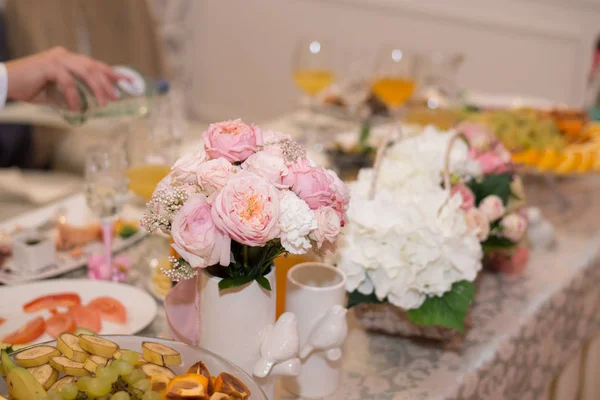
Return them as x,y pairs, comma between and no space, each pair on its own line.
69,346
549,160
44,374
98,346
93,362
160,354
36,356
62,381
160,382
68,367
153,369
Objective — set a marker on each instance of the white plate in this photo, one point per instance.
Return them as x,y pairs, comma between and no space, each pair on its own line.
77,214
141,307
189,356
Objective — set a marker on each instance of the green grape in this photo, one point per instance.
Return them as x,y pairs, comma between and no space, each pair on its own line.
143,384
130,356
120,396
69,391
134,376
107,373
54,394
150,395
121,367
99,387
83,382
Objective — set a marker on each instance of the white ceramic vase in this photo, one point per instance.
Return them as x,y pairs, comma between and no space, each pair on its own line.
233,321
316,294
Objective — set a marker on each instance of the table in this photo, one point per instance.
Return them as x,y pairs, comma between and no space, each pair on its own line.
525,329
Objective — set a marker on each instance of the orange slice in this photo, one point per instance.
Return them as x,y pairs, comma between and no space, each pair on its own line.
188,386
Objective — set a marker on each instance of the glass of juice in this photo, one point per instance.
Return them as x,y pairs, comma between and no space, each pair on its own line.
312,67
395,77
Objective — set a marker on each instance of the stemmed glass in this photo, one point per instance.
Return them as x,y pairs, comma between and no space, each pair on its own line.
106,192
312,66
395,77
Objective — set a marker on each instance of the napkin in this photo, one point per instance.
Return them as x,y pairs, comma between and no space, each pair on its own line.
36,187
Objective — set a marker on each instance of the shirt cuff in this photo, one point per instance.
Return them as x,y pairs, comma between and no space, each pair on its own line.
3,84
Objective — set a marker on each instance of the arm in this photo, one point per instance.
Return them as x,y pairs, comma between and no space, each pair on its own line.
26,78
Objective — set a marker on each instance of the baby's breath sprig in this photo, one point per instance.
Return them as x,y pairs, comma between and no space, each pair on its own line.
180,270
161,209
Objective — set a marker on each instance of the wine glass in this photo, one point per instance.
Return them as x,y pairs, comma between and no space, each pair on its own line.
395,77
312,65
106,193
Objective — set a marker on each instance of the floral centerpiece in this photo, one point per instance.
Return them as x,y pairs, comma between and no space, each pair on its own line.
495,202
243,200
232,207
408,243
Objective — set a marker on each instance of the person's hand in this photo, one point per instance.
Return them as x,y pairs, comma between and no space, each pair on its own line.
28,76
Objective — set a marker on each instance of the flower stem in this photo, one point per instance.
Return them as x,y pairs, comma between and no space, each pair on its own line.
246,256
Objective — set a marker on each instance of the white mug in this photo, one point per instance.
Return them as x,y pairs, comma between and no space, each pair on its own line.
316,294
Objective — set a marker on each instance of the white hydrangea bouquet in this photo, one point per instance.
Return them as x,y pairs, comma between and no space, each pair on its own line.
409,253
242,200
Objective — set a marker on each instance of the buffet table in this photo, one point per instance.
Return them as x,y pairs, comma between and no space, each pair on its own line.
525,329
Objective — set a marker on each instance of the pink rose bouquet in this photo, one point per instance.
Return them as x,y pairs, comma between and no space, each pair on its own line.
241,201
497,199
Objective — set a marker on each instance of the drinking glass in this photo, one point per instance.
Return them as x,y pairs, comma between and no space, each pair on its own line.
395,77
153,144
106,191
312,66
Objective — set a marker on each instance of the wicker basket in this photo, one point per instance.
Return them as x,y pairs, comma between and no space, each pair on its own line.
389,319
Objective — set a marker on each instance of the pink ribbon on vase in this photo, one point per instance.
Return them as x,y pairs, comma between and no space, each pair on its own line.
181,309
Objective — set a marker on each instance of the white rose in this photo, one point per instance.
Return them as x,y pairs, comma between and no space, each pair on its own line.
328,226
185,168
492,207
478,223
267,165
214,174
514,227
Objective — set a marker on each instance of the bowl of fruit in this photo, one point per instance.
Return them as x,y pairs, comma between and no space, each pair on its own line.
112,367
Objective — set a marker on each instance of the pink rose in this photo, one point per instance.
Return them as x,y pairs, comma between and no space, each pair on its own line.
184,169
492,207
273,137
233,140
478,223
311,184
328,226
247,209
214,174
467,196
513,226
196,237
268,165
479,137
341,195
491,162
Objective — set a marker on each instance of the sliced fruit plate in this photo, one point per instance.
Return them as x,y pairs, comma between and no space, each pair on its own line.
82,367
40,311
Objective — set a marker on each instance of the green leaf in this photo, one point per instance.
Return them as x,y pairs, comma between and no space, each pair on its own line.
498,185
357,297
365,131
496,242
448,310
264,282
232,282
128,231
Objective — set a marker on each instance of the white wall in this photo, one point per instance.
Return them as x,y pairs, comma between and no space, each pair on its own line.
240,50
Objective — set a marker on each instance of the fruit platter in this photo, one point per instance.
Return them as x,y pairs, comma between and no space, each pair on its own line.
85,366
545,142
